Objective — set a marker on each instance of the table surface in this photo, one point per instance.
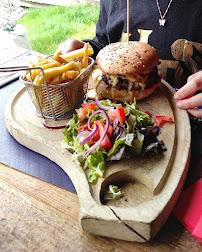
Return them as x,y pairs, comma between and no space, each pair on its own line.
39,216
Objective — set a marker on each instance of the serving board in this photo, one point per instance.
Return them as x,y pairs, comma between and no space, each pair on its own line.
150,184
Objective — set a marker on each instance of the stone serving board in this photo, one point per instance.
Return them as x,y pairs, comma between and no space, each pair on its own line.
150,184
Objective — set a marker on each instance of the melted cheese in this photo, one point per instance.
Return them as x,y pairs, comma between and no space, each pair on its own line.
132,78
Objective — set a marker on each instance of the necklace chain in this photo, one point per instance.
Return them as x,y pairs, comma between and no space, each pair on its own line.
163,20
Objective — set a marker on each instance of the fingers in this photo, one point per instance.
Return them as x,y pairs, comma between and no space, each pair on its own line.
191,102
185,96
195,112
70,45
194,83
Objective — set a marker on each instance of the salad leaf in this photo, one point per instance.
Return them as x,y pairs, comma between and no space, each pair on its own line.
95,161
110,103
96,117
134,137
118,155
142,118
132,122
151,143
137,144
70,131
127,140
113,193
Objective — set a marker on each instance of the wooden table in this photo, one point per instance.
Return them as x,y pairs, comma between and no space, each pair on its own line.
38,216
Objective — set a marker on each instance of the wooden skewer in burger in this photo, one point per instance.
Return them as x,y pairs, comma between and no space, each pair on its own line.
127,70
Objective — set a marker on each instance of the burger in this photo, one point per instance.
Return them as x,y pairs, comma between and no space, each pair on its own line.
126,71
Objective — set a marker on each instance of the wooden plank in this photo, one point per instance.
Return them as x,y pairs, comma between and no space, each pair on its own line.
163,176
38,216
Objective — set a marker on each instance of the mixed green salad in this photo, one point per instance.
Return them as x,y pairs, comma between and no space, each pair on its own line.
103,131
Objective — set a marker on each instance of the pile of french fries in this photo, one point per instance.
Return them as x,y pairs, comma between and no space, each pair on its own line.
59,68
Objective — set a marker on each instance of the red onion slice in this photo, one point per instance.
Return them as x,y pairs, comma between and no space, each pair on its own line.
103,107
115,123
46,125
89,136
93,147
83,133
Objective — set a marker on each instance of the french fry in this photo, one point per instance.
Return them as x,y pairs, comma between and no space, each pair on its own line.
63,78
43,62
77,66
38,80
55,80
51,72
72,74
76,54
39,58
58,58
85,57
46,66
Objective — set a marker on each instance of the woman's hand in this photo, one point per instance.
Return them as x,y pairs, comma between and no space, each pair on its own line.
185,96
70,45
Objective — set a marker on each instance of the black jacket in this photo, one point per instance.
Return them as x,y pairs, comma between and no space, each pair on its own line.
179,42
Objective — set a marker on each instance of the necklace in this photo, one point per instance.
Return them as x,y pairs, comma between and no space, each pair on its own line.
162,20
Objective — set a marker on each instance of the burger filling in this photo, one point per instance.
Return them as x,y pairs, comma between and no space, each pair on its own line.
135,82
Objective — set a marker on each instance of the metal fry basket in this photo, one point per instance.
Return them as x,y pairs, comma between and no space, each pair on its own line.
58,101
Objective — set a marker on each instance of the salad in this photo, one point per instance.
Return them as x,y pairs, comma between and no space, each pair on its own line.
103,131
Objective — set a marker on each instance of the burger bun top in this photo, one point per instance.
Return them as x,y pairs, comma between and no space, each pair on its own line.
123,58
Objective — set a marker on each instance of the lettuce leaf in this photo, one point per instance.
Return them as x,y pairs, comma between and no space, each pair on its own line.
127,140
95,161
113,193
142,118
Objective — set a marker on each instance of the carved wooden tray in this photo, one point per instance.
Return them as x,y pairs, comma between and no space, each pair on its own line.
150,184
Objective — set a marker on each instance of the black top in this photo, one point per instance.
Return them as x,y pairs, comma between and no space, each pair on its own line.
179,42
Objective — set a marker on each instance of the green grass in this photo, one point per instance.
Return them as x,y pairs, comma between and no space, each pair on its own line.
47,27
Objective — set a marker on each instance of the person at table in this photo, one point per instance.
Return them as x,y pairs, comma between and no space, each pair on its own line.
176,34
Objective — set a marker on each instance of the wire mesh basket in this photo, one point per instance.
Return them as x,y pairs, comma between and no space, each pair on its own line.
58,101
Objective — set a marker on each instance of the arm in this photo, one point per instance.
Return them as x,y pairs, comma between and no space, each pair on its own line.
185,96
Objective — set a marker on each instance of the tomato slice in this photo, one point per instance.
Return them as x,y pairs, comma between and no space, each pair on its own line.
84,126
106,143
88,105
117,113
121,114
112,114
96,137
148,113
159,120
110,131
81,112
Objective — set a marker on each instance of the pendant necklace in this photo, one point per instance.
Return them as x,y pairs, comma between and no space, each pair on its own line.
162,20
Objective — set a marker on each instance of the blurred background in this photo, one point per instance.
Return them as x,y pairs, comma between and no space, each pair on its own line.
40,25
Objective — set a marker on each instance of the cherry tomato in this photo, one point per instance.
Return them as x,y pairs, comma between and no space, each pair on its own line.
159,120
